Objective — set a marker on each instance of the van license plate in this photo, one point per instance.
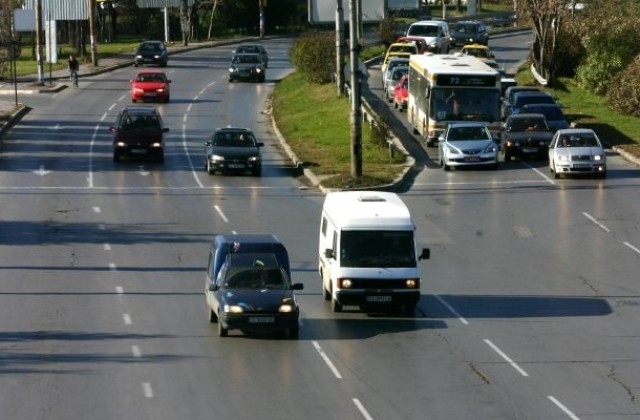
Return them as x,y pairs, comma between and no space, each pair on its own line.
261,320
378,298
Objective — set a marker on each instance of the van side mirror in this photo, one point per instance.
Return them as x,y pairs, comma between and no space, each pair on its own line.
425,254
212,287
328,253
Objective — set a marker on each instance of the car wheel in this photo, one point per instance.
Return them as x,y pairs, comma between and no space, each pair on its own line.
602,175
167,99
262,78
336,306
507,157
294,332
210,169
134,100
212,315
257,172
326,293
222,331
161,157
116,156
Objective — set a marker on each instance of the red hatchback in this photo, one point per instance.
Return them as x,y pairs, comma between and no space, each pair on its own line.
150,85
401,93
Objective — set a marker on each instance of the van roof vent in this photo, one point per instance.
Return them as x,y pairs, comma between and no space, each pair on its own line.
371,198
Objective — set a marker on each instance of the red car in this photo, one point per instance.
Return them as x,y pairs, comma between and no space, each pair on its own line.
150,85
401,93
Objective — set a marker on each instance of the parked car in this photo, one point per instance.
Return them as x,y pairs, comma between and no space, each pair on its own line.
151,52
401,94
247,67
467,144
394,77
435,33
508,97
577,151
249,288
138,131
469,32
233,149
253,49
524,98
526,136
150,85
552,112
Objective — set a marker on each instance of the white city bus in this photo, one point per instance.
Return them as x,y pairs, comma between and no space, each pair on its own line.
451,88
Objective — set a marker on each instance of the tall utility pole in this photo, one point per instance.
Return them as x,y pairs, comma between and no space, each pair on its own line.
356,113
184,14
262,4
340,47
92,32
39,43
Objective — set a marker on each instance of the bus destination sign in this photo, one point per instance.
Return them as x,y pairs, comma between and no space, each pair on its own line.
465,80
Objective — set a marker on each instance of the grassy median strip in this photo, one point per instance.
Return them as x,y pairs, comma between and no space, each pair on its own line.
316,124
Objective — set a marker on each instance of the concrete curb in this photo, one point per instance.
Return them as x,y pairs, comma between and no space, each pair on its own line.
14,118
628,156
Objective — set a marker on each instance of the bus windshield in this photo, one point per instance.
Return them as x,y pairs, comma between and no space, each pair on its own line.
464,104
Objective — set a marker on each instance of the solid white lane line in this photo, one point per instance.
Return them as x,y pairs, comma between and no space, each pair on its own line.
221,214
113,267
135,350
593,219
126,318
186,152
505,357
451,309
363,410
563,408
148,391
96,209
628,245
113,105
119,290
121,98
106,247
91,144
327,360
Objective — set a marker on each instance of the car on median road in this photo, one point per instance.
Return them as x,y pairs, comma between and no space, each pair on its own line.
150,85
577,151
151,52
246,66
233,149
253,293
254,49
467,144
526,136
138,132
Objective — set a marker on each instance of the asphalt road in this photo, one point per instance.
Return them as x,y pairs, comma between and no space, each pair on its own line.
529,307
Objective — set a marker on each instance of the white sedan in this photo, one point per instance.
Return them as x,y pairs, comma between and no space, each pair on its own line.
577,151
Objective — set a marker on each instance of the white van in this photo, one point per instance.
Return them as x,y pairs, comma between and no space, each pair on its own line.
435,33
367,251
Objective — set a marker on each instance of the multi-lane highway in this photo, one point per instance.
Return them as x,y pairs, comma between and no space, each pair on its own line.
529,307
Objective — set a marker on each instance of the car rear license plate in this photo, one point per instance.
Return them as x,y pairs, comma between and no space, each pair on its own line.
530,150
378,299
261,320
235,166
138,151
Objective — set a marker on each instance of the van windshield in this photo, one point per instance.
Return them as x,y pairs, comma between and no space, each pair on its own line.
392,249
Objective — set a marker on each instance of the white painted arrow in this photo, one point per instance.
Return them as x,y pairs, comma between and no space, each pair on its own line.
142,171
41,171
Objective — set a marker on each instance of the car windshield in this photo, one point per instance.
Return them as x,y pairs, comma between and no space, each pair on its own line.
377,249
527,124
578,140
248,59
150,47
140,122
423,30
151,77
253,271
234,139
467,134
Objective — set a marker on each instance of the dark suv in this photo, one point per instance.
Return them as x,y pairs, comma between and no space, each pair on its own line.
151,52
139,131
469,32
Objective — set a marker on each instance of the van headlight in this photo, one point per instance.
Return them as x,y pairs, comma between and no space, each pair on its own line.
346,284
411,283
